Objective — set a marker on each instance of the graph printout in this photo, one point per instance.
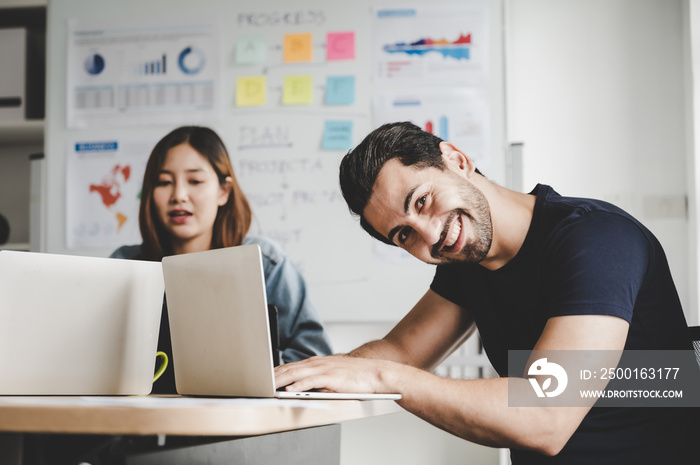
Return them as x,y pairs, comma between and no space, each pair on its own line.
457,115
138,71
429,45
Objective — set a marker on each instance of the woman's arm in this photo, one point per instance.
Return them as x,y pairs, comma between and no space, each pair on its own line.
301,331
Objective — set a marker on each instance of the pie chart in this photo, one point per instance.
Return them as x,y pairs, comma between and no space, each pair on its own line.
191,60
94,64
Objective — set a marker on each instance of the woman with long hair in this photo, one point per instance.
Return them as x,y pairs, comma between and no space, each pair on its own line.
192,202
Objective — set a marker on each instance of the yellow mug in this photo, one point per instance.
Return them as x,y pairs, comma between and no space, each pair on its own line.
163,365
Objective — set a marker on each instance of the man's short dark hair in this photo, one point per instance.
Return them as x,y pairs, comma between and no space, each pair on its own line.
360,167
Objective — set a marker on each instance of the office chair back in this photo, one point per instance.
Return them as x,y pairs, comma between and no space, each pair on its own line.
694,332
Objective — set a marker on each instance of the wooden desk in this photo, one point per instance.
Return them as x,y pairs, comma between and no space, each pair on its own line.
255,423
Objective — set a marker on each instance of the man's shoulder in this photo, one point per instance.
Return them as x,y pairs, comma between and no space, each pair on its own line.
562,213
600,218
578,205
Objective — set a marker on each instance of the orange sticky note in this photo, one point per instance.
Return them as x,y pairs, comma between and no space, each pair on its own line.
251,90
298,48
297,90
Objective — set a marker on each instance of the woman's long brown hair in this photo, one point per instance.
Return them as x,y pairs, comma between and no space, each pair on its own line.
232,220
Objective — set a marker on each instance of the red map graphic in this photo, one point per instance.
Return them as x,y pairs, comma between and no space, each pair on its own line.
110,188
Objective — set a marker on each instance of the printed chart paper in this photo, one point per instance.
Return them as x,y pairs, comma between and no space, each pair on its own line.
431,45
460,116
141,70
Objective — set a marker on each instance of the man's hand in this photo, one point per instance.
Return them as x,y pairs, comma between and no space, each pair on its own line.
339,373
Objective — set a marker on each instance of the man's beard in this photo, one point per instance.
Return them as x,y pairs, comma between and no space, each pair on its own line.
479,213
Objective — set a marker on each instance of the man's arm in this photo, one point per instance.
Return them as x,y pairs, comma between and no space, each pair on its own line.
476,410
422,339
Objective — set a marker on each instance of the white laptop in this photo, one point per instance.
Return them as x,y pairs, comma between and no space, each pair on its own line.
74,325
220,329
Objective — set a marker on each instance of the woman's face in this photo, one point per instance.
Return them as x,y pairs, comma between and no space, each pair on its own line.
187,196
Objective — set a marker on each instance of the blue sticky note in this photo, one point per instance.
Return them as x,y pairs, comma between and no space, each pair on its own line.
337,135
340,90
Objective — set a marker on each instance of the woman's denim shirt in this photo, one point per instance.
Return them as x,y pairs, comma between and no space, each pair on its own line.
301,331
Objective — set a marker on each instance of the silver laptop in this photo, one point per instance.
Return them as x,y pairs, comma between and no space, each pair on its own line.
73,325
220,329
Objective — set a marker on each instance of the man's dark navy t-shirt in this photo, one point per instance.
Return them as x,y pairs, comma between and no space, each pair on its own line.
582,257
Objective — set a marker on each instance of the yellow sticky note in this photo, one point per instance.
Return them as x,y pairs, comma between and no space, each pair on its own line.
251,91
298,47
297,90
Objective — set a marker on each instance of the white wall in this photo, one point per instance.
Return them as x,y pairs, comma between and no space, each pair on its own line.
692,55
595,91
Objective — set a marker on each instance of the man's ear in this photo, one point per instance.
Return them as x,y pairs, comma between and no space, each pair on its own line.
225,191
456,159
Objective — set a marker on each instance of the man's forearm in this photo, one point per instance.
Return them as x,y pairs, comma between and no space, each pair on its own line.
380,349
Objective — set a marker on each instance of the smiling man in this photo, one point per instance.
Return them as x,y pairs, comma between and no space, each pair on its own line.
533,271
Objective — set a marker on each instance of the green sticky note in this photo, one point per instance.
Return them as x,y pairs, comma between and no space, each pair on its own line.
251,50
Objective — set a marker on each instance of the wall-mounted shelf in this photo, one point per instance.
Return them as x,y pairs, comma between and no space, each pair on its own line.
23,135
21,132
23,3
21,246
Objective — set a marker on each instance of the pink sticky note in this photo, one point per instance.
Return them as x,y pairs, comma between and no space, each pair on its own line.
340,46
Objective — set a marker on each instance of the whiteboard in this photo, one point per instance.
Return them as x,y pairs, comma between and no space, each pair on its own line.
277,149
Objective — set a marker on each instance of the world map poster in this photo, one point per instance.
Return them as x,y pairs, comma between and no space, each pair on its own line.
103,189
